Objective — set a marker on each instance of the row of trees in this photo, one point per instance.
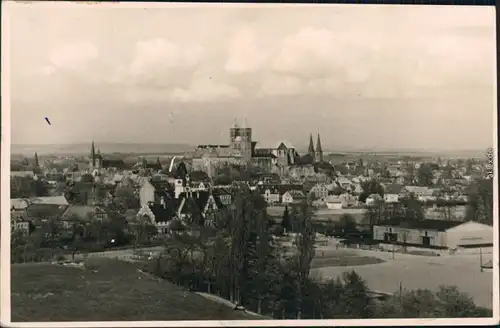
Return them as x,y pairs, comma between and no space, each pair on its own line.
241,260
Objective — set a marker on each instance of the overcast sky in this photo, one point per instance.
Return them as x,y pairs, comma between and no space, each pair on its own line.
364,76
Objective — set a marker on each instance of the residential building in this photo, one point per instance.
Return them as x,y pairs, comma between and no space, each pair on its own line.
373,199
224,194
293,197
162,214
335,202
153,191
272,195
20,225
415,191
82,213
319,190
428,195
392,192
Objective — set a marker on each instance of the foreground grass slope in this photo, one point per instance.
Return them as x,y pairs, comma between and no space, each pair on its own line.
110,290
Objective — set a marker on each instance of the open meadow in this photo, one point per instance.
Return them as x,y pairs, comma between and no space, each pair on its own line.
108,290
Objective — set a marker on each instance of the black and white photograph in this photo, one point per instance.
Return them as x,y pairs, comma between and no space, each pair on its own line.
248,164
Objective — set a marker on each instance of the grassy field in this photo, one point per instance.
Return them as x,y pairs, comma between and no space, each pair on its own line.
110,291
342,260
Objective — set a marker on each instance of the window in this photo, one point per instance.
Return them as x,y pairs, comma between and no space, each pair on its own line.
426,241
390,237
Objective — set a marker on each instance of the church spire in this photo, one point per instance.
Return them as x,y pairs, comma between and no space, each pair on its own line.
37,164
235,124
310,150
319,150
92,154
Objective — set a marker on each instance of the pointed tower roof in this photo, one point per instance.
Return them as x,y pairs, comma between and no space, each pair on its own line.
310,150
235,124
92,154
36,160
318,145
245,123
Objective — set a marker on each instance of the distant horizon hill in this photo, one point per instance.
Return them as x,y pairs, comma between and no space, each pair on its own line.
103,147
178,148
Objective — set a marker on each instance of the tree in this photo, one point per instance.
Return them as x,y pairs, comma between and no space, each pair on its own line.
100,193
347,223
223,180
355,301
27,187
413,209
448,171
370,187
443,205
285,222
52,230
77,242
198,176
455,304
447,302
264,262
374,214
469,166
142,229
87,178
480,201
304,241
125,198
338,190
410,174
425,175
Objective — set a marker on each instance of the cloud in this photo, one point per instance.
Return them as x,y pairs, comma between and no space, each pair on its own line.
162,70
244,55
280,85
159,63
204,90
156,53
310,53
73,56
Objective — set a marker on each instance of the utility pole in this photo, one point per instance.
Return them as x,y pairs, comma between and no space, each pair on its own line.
481,259
401,293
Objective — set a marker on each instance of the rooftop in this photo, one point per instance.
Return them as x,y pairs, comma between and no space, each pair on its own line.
439,225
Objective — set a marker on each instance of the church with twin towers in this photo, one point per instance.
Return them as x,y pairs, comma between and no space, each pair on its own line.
317,154
242,150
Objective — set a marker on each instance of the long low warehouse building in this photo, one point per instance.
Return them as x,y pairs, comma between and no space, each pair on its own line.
435,234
